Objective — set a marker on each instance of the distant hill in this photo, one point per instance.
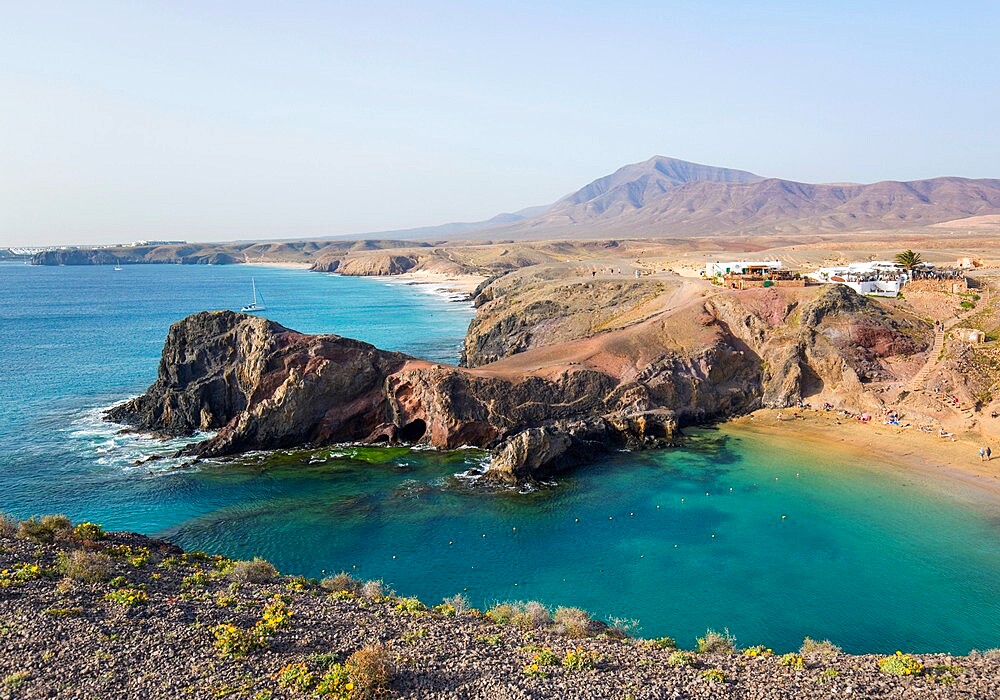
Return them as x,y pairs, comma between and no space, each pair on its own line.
670,197
665,196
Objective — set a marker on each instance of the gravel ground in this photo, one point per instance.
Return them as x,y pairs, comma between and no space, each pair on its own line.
61,638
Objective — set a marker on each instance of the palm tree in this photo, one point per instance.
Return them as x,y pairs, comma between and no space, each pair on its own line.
909,260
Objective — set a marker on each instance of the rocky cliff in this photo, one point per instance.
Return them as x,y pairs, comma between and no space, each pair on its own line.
260,385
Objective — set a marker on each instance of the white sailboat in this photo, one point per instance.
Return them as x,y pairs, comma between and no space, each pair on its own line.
118,266
254,307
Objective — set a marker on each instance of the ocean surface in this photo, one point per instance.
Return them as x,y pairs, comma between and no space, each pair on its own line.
734,530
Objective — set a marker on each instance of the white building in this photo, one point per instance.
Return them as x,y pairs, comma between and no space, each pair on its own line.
714,269
882,278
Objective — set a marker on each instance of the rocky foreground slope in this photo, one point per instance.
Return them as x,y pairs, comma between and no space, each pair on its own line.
541,407
86,614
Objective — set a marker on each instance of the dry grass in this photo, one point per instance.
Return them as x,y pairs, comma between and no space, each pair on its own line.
812,647
459,603
45,530
573,622
8,525
81,565
256,570
341,582
374,590
370,670
716,643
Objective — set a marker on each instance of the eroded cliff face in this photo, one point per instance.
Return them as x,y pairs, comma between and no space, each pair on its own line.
263,386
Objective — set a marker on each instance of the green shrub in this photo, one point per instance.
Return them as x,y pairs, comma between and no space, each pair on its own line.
16,679
118,582
370,670
660,643
827,675
63,612
128,597
45,530
256,570
199,579
296,677
714,675
580,660
681,658
900,664
231,640
716,643
341,583
824,648
542,656
82,565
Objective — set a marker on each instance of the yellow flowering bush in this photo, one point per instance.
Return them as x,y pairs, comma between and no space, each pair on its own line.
900,664
21,573
409,606
296,677
336,683
129,597
793,661
714,675
759,650
277,615
580,660
89,532
231,640
445,609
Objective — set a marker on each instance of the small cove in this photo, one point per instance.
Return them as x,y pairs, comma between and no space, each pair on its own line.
866,558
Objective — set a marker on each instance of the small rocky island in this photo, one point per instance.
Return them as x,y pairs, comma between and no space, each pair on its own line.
541,387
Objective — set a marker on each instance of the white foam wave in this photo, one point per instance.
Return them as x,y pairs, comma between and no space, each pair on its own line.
117,446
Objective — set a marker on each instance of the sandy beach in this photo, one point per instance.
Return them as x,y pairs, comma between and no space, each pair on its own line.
949,464
286,265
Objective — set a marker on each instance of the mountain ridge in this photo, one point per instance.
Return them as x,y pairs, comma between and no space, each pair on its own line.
665,196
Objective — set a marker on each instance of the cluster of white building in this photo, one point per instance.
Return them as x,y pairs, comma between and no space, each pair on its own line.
882,278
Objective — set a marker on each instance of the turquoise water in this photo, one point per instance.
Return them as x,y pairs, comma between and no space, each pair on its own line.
872,559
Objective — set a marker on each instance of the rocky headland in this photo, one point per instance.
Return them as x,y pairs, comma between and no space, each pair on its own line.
90,614
559,365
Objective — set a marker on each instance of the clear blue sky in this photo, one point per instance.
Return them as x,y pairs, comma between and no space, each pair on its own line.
222,120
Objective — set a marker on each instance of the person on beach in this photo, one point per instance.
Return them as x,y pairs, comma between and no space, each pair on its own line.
982,453
988,453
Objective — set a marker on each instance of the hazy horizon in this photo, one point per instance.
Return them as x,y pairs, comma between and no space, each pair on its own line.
203,123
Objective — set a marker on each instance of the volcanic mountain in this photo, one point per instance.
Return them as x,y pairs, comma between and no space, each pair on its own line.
666,196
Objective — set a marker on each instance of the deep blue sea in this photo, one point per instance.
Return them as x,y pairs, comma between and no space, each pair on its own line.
681,539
